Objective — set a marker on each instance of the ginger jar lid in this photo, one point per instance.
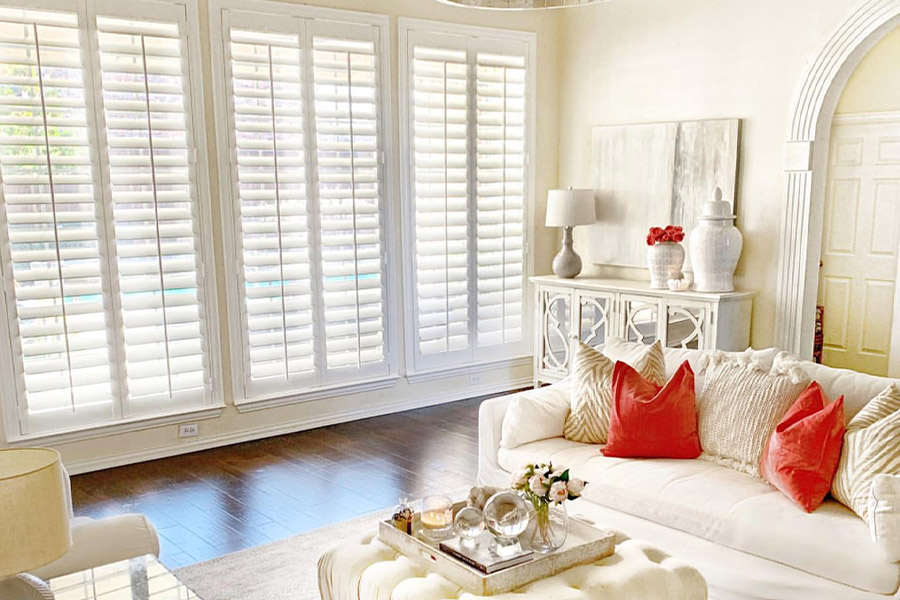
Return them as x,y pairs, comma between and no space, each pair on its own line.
717,209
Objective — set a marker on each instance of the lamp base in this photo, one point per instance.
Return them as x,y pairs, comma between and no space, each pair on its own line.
24,587
567,264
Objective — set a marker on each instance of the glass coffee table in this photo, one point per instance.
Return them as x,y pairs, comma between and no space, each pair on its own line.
142,578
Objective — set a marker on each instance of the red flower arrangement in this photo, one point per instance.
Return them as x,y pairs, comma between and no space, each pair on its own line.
658,235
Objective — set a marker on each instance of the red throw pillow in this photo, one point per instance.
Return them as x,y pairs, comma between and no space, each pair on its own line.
649,421
802,455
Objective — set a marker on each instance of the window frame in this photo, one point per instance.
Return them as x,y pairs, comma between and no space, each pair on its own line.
124,418
230,213
421,367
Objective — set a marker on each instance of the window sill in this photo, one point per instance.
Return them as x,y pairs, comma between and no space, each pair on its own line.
481,367
127,425
276,400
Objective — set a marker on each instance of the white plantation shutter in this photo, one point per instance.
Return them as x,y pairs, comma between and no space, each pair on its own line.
101,240
304,116
53,247
345,80
268,111
500,180
154,203
440,116
467,117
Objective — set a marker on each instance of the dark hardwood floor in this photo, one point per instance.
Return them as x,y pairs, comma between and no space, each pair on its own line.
211,503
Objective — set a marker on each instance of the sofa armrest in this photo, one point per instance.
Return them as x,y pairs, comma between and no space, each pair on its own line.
516,419
104,541
490,423
884,515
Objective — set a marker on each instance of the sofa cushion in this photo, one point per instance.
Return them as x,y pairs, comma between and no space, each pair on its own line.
856,388
726,507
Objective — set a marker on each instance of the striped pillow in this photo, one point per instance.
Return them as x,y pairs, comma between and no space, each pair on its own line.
588,420
870,449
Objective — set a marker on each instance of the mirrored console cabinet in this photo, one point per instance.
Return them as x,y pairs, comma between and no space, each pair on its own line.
591,310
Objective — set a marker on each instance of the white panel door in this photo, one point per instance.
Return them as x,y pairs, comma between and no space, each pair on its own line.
860,244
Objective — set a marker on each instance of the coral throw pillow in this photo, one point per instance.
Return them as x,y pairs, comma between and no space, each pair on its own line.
649,421
802,455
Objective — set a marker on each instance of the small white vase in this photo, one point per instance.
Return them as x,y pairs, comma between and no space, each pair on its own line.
664,260
715,247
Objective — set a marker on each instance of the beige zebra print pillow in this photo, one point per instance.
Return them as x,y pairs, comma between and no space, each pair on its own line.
871,448
588,420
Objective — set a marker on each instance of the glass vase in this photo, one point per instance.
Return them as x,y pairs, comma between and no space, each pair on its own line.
549,526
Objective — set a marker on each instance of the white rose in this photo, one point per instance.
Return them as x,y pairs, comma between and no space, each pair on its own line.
537,484
519,478
558,492
575,487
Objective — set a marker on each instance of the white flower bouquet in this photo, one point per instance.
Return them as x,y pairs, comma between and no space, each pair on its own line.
544,485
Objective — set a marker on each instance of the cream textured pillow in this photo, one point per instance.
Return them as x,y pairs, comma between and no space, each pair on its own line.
588,420
871,448
739,407
884,515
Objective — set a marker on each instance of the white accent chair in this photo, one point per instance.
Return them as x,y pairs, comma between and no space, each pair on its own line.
97,542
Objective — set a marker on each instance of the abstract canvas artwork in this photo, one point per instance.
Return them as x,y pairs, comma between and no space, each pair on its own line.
655,174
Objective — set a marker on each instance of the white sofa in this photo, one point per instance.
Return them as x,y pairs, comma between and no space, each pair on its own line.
97,542
746,538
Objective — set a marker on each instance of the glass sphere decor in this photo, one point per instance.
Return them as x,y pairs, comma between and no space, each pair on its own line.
506,517
469,524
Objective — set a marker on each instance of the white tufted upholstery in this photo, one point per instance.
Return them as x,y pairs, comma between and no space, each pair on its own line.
370,570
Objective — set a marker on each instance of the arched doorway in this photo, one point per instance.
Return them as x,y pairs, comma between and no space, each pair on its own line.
806,154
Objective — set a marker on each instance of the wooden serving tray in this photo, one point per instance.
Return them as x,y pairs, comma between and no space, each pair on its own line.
584,544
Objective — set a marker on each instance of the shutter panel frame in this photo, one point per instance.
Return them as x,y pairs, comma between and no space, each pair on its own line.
317,22
512,281
121,416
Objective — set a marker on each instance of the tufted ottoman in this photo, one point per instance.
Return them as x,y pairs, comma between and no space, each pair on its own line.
367,569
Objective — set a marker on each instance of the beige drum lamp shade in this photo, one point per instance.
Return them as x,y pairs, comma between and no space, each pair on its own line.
567,208
34,516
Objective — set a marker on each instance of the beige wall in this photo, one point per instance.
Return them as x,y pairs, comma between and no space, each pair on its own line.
639,61
231,426
875,84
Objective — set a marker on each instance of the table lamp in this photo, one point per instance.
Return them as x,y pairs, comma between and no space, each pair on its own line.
34,519
566,209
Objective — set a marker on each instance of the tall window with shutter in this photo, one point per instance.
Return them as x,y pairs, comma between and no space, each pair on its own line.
302,104
466,114
101,227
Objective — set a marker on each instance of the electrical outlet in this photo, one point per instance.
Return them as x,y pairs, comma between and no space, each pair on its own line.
474,378
188,430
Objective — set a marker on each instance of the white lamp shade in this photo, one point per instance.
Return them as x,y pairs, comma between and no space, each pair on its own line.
570,207
34,515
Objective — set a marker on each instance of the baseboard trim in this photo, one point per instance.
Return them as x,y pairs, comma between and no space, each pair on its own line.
120,460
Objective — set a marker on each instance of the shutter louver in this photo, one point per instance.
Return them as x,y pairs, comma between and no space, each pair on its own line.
267,100
154,208
440,137
346,107
500,182
53,241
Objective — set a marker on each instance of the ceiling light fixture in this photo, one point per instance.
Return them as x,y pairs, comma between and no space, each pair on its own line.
519,4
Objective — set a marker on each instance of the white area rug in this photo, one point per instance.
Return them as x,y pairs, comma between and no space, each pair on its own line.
283,570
